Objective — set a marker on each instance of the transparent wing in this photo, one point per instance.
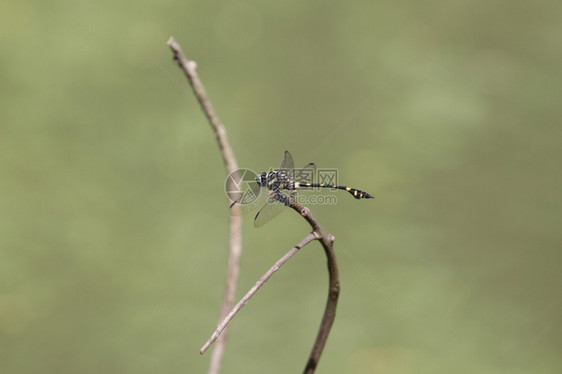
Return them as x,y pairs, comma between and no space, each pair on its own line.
249,200
307,174
287,161
272,208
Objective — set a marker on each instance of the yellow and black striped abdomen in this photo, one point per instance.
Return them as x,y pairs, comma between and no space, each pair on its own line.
358,194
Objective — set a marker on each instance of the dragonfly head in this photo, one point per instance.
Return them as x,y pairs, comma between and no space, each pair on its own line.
261,178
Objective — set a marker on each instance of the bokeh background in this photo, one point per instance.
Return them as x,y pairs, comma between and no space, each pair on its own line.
113,217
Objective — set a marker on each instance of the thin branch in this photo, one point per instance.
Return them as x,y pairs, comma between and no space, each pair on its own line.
307,239
189,68
327,242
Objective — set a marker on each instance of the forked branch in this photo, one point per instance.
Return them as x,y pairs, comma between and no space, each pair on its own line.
327,241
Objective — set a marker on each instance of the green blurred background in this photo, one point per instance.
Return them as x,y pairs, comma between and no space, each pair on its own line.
113,217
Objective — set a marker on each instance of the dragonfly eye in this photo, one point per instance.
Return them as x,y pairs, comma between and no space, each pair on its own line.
260,178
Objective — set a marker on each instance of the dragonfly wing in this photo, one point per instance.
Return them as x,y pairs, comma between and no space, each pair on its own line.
307,174
287,161
271,209
249,200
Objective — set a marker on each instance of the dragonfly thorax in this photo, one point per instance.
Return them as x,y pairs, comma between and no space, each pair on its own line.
275,180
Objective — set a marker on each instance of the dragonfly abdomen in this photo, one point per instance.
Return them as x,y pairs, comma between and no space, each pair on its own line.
358,194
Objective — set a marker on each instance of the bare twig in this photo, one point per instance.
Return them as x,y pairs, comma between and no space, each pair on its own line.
189,68
307,239
327,242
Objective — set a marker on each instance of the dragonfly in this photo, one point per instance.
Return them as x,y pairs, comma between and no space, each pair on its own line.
277,186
